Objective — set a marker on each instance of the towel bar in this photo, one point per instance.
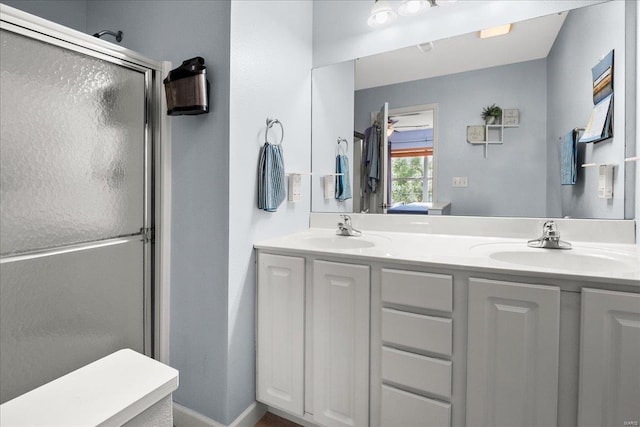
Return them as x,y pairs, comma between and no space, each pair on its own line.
588,165
575,130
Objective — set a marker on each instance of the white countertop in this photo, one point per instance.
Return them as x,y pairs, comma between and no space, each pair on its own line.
472,253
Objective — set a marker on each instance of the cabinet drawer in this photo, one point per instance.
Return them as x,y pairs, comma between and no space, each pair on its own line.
418,372
415,289
400,408
415,331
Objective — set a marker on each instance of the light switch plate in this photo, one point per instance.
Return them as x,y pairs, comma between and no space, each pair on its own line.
329,187
605,181
295,187
459,181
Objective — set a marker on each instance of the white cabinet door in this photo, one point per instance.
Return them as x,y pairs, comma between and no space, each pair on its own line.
512,364
280,336
341,344
609,393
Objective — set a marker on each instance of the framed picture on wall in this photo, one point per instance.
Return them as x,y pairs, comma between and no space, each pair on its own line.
510,117
475,133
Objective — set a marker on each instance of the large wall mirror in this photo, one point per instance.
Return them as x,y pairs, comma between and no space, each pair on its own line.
424,98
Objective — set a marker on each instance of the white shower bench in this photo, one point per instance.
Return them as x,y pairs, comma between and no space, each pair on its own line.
124,388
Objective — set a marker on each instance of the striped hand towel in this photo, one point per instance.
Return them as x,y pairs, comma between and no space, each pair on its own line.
271,182
343,181
569,159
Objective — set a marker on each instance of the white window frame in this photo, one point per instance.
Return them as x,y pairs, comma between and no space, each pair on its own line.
417,109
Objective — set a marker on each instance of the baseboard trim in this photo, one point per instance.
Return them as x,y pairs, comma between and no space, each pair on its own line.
185,417
250,416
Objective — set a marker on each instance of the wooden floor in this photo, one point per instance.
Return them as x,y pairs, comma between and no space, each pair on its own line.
270,420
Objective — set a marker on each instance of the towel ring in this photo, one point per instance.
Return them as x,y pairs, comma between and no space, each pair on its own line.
346,143
270,123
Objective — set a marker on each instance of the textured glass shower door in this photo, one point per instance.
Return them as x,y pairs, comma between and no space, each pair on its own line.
75,192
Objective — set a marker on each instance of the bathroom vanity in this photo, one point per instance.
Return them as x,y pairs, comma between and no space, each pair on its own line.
395,328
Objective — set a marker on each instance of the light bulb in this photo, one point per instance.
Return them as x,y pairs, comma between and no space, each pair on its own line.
381,14
413,7
381,18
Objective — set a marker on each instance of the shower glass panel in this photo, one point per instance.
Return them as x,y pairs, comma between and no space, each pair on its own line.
60,312
68,123
75,194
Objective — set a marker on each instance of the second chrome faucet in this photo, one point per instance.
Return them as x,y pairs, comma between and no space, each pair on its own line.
550,238
346,229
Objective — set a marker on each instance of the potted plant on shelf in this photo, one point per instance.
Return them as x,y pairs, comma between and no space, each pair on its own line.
492,114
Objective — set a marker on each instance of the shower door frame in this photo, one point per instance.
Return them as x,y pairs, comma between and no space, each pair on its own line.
157,155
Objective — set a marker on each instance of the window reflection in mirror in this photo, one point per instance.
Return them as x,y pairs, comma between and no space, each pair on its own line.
412,154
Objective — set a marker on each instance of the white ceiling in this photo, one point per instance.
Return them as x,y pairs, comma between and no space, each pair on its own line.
528,40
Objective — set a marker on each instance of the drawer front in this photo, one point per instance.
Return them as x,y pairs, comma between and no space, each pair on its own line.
415,289
400,408
415,331
418,372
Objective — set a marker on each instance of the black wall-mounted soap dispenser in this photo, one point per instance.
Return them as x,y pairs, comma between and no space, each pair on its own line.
187,88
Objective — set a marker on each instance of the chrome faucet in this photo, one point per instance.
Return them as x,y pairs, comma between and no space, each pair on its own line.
550,238
346,229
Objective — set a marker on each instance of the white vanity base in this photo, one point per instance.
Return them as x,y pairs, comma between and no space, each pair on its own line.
124,388
460,334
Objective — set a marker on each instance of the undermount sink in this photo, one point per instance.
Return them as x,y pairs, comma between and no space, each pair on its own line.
573,261
582,259
340,242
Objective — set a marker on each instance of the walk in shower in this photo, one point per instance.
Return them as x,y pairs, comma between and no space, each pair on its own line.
76,205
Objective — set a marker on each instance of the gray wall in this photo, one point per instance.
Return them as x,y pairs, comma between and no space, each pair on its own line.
70,13
511,180
587,35
174,31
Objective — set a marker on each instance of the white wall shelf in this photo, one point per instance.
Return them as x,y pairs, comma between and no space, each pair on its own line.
493,133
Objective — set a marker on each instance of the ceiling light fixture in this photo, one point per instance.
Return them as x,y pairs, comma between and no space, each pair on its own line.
413,7
381,14
500,30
